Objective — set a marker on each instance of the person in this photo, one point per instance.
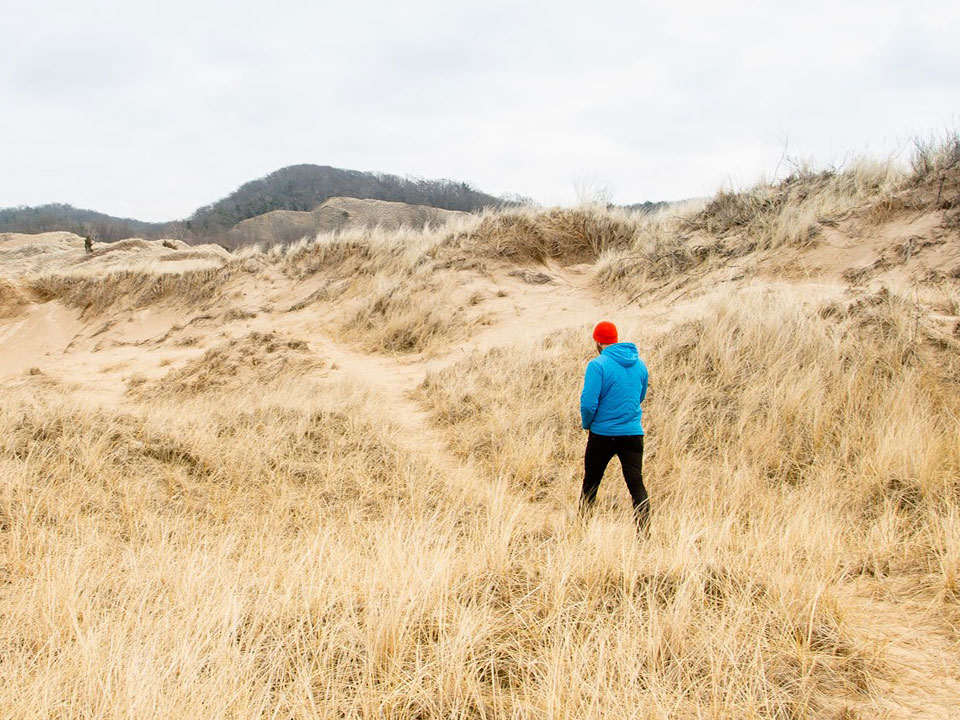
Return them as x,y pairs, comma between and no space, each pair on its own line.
614,387
88,244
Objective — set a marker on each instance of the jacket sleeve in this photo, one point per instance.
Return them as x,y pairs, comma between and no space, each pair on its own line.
590,396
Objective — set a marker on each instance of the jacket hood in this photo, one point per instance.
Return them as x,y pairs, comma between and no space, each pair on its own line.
623,353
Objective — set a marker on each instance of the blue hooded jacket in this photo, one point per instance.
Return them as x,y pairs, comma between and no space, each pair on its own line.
613,388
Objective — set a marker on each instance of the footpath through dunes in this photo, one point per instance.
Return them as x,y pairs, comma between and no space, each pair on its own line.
108,333
339,477
246,337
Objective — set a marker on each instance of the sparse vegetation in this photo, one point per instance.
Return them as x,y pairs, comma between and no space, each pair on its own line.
935,157
577,235
258,359
680,242
789,212
96,293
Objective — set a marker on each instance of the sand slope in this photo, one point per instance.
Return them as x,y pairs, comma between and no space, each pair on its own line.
334,215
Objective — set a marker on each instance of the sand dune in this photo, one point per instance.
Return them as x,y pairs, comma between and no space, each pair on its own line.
335,215
338,477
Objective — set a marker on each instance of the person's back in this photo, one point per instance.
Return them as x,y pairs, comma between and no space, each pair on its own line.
614,388
615,385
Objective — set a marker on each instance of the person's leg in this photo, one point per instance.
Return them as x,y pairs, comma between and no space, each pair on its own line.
595,459
630,452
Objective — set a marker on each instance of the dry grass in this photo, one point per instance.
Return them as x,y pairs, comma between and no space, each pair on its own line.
794,455
936,170
253,535
283,549
664,251
567,235
257,359
513,409
406,292
790,212
397,292
673,245
420,313
394,292
936,157
137,286
757,394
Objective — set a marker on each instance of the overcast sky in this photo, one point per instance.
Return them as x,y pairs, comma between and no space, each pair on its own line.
151,109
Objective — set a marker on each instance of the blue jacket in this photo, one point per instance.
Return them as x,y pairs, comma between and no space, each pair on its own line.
613,388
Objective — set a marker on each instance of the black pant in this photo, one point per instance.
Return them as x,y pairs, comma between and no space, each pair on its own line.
629,448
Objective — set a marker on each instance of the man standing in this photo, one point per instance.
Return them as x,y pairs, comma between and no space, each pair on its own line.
614,386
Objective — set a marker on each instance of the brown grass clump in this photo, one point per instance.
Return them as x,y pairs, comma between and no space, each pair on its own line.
394,293
936,171
790,399
936,158
346,254
258,359
419,313
790,212
493,408
134,287
664,252
565,235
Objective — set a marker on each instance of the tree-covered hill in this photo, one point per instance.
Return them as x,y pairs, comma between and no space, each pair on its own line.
297,187
59,216
304,187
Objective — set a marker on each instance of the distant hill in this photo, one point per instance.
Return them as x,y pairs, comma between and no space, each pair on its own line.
303,187
341,213
647,207
61,217
297,188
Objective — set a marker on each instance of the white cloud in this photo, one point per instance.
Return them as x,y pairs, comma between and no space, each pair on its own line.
151,110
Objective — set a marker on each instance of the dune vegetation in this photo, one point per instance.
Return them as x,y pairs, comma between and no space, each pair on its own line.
338,478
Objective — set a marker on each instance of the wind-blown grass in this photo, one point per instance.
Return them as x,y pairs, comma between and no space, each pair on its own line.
252,535
792,455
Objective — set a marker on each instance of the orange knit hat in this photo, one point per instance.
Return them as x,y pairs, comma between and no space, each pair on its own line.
605,333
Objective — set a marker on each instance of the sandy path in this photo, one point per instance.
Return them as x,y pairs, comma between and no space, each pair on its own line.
532,310
526,310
